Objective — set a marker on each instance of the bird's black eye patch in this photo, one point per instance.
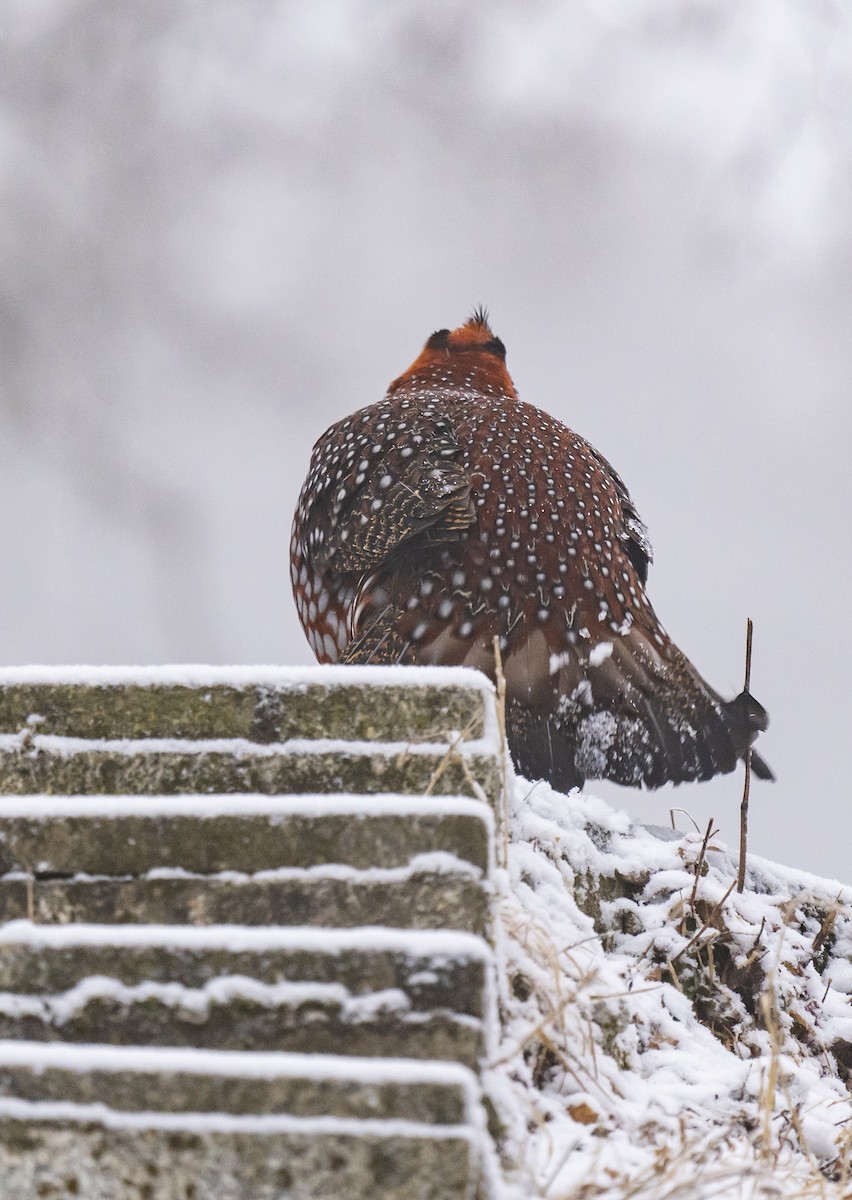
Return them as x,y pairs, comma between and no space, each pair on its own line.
496,347
439,340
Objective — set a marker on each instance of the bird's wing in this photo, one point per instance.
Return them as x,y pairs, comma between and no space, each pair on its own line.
634,532
389,498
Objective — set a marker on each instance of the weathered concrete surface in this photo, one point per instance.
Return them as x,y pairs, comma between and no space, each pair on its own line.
353,1001
428,1102
260,713
46,1161
317,1026
423,901
451,980
133,843
136,768
365,993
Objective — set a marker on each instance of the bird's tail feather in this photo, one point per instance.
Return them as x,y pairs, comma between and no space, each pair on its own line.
747,718
638,719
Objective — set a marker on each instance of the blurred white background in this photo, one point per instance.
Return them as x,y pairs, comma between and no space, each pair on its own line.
224,224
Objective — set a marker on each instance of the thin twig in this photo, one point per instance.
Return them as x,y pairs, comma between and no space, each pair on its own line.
654,987
757,949
501,725
824,932
455,742
845,1162
717,908
747,760
673,973
700,864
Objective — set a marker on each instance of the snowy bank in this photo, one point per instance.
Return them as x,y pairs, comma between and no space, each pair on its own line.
662,1035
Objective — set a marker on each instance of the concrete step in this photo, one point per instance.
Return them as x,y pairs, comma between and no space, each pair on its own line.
253,964
33,763
405,862
264,704
59,1152
131,835
168,1080
416,994
435,892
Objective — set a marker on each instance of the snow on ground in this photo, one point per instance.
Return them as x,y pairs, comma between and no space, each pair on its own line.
664,1036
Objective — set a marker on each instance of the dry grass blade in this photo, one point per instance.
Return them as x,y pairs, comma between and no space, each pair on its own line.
455,741
845,1161
501,725
770,1016
654,987
714,912
685,812
626,1091
675,980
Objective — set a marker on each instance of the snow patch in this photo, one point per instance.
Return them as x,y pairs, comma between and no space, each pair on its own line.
333,998
663,1036
600,653
595,735
415,943
436,862
558,661
211,1123
253,1064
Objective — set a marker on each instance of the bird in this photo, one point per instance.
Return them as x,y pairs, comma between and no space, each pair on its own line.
453,523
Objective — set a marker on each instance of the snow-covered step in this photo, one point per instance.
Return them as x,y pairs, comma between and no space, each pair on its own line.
435,892
132,834
370,991
141,1124
63,1151
33,763
243,949
265,704
402,861
170,1080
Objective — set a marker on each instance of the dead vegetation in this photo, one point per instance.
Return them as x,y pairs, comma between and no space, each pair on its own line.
603,1002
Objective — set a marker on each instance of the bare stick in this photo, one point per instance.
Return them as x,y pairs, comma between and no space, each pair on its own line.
700,863
747,760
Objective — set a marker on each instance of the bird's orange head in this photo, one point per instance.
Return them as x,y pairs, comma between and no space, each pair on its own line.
472,351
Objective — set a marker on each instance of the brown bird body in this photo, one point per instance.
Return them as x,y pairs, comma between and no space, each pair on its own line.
452,513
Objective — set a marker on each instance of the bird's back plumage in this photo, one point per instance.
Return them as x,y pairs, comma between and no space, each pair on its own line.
453,513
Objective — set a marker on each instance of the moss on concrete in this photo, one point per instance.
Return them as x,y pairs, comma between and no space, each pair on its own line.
423,901
310,1026
152,772
52,1162
264,714
131,844
432,1103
